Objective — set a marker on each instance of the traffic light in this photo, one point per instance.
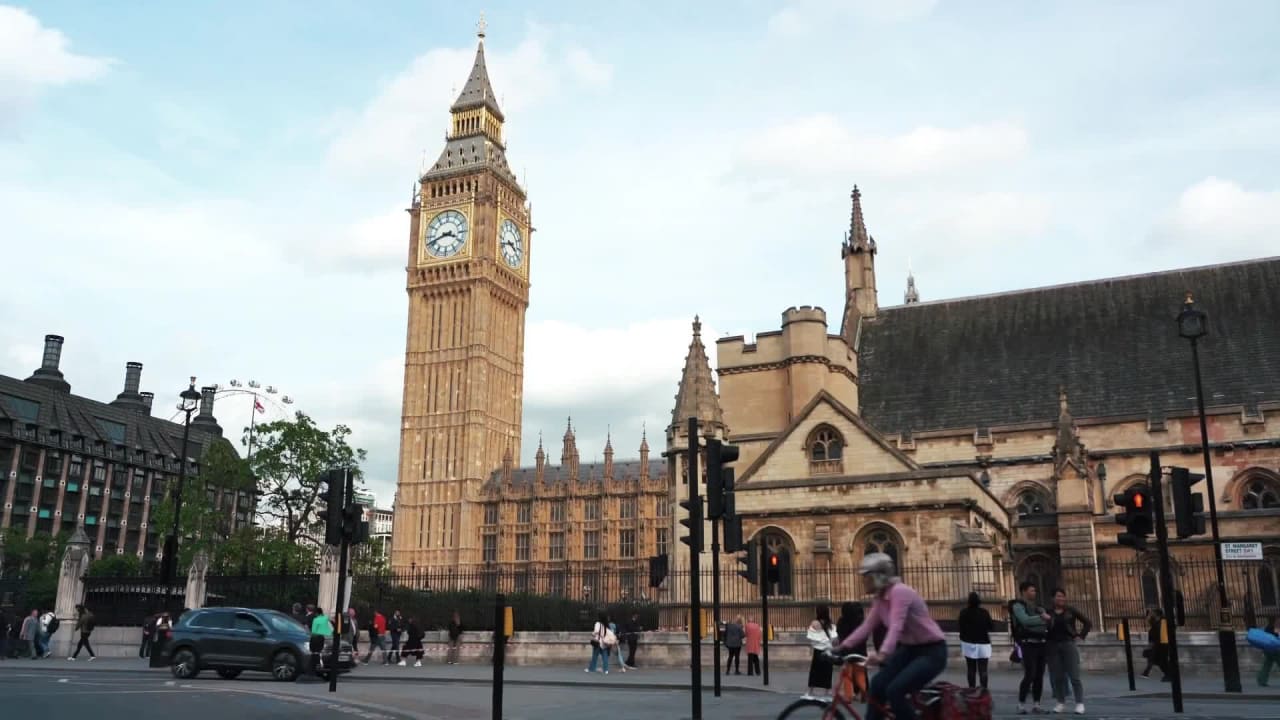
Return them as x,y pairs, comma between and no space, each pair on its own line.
1136,517
334,493
693,522
751,563
354,526
718,455
732,523
657,570
772,567
1187,505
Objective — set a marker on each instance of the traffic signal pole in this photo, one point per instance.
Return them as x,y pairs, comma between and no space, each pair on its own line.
715,598
695,578
764,616
1166,579
343,547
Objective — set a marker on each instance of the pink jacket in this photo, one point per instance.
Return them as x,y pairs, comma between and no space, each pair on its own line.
905,617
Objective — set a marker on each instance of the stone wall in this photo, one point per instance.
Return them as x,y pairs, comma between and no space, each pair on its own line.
1198,651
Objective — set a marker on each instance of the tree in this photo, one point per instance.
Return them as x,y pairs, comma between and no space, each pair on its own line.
115,566
289,458
38,558
260,551
203,526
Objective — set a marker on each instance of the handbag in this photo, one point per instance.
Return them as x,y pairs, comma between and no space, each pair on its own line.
1015,655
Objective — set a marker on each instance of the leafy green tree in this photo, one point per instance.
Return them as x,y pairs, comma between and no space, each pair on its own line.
260,551
203,526
288,460
115,566
38,558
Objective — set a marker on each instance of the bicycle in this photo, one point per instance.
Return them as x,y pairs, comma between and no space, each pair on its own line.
851,689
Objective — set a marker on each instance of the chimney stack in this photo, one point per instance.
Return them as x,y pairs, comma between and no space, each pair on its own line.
129,399
205,420
49,374
147,399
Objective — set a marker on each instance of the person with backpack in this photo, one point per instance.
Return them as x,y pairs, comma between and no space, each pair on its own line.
1061,651
1269,659
1030,625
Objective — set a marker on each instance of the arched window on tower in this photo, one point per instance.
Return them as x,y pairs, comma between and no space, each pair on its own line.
825,448
1032,503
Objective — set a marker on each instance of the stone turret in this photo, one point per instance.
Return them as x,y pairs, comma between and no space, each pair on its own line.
696,395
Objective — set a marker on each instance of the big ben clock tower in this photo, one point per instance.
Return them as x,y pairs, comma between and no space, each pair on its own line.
468,287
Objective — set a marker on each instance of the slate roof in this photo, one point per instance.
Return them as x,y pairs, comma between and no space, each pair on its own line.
1114,345
470,153
591,472
478,91
73,415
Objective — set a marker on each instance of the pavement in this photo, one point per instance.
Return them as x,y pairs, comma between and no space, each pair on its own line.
110,687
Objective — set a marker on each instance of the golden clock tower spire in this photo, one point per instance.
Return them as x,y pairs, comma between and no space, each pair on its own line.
468,287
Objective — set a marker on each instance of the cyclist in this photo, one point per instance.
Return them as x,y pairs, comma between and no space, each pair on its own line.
914,651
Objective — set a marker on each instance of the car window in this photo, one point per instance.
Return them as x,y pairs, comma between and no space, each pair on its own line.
245,621
283,622
214,619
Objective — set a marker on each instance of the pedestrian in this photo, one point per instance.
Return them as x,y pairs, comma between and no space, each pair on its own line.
599,651
632,632
734,635
455,638
975,626
377,637
49,624
617,645
413,643
1030,624
1157,650
351,629
30,634
754,634
820,634
851,616
1269,659
321,630
395,628
148,636
85,625
1062,653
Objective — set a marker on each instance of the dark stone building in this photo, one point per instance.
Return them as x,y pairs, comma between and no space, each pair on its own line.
69,461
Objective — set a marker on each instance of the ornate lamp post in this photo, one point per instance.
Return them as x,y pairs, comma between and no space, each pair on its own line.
1193,324
189,404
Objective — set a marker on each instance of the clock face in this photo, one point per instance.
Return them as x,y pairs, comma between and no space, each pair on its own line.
446,234
510,244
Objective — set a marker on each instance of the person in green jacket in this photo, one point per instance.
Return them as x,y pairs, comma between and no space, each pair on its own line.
1030,631
321,628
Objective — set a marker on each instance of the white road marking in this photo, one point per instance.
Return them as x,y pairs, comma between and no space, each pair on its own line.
61,680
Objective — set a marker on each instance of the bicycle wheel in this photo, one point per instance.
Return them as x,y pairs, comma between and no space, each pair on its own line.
811,710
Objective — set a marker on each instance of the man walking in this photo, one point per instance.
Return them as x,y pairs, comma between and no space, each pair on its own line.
395,626
1030,631
377,637
85,624
30,634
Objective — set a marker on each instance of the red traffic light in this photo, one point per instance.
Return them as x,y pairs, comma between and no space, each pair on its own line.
773,560
1138,500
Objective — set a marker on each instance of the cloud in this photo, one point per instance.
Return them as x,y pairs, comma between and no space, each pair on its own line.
1222,218
34,57
821,144
799,16
412,106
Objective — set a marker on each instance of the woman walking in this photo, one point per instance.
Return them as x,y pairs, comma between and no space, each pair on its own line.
975,640
734,634
412,644
755,636
1157,650
321,628
820,634
1062,653
598,649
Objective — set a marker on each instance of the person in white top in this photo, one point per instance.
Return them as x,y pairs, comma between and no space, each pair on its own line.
820,635
600,645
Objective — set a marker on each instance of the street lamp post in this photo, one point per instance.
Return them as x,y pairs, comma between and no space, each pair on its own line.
190,402
1193,324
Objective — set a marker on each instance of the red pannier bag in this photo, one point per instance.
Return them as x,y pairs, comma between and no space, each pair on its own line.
953,702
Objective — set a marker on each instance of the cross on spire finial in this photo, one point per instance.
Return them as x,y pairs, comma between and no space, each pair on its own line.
480,26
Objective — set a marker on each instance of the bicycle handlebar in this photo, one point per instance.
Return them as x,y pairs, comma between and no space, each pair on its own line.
853,658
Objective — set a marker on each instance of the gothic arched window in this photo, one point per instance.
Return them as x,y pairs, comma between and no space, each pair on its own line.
1042,572
1032,502
880,538
1259,492
826,451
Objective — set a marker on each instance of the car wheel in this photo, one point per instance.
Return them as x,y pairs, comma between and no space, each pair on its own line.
228,673
284,666
185,664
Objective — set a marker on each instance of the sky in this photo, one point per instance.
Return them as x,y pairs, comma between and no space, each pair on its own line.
219,189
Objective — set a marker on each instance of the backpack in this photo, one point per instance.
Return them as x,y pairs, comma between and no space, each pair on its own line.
610,639
53,626
958,703
1015,628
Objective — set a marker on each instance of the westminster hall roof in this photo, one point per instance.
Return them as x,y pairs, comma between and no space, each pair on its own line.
1113,344
623,470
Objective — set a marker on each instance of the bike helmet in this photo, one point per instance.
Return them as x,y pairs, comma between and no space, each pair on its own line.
880,567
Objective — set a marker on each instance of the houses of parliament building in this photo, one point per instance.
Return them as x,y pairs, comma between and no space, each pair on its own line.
990,430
